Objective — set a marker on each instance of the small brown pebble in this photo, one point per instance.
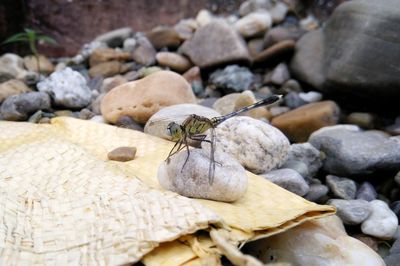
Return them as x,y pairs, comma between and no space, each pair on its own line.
44,120
122,154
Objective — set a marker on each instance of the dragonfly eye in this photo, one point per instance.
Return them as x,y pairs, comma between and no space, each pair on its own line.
174,130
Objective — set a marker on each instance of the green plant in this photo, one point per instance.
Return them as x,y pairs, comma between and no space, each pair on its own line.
31,37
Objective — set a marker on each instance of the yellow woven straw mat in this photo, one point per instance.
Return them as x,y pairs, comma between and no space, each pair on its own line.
62,202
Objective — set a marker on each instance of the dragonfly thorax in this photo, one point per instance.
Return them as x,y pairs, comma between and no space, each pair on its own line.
175,131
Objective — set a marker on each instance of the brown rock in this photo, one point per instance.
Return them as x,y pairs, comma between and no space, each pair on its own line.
255,46
174,61
112,82
214,44
368,240
45,65
106,69
12,87
276,50
164,37
193,74
101,55
299,123
140,99
278,34
122,154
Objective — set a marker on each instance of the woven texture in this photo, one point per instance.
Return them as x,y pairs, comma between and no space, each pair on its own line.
63,202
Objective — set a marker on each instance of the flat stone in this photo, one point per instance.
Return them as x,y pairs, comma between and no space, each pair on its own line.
351,211
163,36
305,159
19,107
288,179
382,222
68,88
266,148
106,69
12,66
348,150
45,65
115,37
142,98
102,55
277,50
227,182
122,154
174,61
232,78
341,187
363,120
282,33
12,87
227,46
254,24
298,124
253,5
144,53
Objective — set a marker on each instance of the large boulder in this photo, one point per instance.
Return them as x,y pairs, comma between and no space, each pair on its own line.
355,54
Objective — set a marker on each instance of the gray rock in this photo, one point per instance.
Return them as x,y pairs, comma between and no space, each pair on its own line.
232,78
144,53
348,150
304,158
317,192
392,260
228,183
253,5
351,211
116,37
366,192
397,178
395,207
360,40
19,107
341,187
254,24
278,12
258,146
84,53
291,85
395,249
157,124
288,179
293,100
280,74
382,222
227,45
68,88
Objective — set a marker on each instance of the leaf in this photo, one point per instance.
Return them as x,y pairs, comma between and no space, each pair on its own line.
46,39
19,37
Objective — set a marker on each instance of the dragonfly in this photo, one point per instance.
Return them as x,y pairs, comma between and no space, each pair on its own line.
195,126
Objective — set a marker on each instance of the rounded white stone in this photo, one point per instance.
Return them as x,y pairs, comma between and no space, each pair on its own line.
254,23
382,222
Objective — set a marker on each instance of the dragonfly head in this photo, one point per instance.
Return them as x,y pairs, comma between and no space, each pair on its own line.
175,131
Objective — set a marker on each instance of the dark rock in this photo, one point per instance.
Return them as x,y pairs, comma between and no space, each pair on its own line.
366,192
232,79
19,107
293,100
277,50
288,179
215,44
341,187
350,151
395,207
355,53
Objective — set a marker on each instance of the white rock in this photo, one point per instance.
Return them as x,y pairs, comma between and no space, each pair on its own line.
288,179
204,17
254,24
157,124
278,12
68,88
382,222
258,146
311,96
321,242
98,119
254,5
129,45
229,181
13,66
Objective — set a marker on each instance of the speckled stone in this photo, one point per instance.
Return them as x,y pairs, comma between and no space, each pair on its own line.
341,187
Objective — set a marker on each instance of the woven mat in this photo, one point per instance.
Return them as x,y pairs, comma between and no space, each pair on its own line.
63,202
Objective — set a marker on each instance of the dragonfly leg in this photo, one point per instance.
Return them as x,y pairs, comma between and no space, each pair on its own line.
188,153
172,152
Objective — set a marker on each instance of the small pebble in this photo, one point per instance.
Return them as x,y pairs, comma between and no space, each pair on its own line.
341,187
288,179
364,120
122,154
305,159
366,192
351,211
317,192
311,96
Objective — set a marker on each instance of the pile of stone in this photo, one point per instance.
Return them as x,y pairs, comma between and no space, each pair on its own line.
210,65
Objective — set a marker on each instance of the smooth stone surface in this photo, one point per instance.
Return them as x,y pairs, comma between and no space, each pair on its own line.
279,75
144,52
278,12
253,5
163,36
288,179
68,88
142,98
382,222
305,159
293,100
227,45
106,69
115,37
158,123
247,98
341,187
311,96
364,120
102,55
254,24
193,76
226,104
318,242
282,33
275,51
258,146
45,65
395,207
185,28
122,154
298,124
361,40
174,61
366,192
12,66
317,192
228,183
232,78
19,107
348,150
12,87
351,211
